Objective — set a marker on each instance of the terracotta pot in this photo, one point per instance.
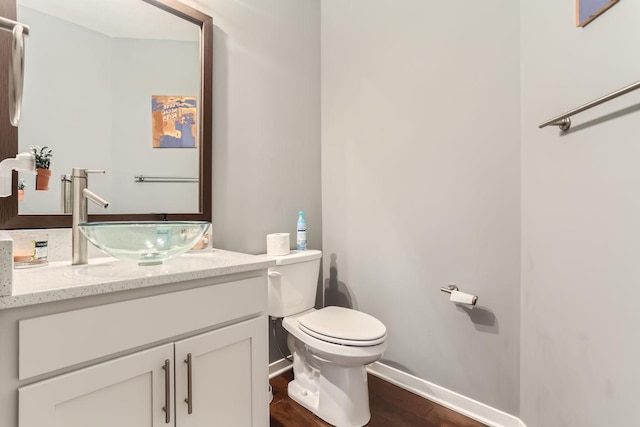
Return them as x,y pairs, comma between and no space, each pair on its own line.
20,195
42,179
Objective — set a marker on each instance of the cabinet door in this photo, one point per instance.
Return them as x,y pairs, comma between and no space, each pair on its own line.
128,391
229,377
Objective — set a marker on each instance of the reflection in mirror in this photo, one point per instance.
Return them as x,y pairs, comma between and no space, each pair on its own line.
94,68
119,85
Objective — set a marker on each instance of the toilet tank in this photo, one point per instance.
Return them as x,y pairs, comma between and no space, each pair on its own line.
293,282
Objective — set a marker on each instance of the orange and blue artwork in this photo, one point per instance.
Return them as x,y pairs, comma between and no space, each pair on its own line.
174,121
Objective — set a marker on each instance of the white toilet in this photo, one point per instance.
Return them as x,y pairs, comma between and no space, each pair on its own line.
330,346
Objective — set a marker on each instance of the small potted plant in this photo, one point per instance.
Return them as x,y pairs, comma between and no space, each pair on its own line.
43,162
20,189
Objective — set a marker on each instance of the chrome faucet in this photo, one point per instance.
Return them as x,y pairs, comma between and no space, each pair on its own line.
80,212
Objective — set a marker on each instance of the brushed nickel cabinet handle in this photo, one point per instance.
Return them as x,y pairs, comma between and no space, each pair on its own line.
189,399
167,391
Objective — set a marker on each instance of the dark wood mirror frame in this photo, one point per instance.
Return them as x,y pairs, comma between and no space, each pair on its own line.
9,217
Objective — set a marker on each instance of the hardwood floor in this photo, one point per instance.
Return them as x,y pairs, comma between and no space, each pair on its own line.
390,405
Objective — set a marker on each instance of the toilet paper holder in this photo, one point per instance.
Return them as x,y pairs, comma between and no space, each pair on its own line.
450,288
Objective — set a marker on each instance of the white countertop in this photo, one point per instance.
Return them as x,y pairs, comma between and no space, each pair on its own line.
61,280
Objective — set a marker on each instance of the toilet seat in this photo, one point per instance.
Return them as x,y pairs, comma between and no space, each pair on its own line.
344,326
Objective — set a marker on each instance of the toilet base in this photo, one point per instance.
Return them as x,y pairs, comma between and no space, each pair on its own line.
330,380
341,395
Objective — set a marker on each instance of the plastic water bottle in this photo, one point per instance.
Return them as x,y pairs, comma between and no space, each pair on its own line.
302,232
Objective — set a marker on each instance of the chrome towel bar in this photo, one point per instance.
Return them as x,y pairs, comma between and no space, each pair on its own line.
8,25
142,178
563,121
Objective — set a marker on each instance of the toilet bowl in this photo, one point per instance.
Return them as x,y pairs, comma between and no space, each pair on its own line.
330,346
330,378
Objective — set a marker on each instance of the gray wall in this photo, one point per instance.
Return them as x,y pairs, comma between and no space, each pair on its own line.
266,122
421,185
580,219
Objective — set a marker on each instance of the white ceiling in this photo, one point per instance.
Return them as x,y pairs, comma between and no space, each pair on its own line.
119,18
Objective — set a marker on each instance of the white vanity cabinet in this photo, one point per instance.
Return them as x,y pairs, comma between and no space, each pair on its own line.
191,357
211,377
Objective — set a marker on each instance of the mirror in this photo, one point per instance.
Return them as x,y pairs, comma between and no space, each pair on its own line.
123,86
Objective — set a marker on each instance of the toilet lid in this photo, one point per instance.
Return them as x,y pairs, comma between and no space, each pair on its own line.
343,326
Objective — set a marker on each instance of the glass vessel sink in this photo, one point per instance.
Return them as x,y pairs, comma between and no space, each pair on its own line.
145,242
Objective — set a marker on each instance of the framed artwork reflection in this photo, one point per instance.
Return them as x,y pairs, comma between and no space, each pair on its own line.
588,10
174,121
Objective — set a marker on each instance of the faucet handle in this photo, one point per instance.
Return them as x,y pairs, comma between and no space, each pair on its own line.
96,171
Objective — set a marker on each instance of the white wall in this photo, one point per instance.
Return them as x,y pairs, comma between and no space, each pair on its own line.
580,219
420,183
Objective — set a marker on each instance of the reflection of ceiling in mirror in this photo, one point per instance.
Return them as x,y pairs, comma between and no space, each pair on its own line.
119,18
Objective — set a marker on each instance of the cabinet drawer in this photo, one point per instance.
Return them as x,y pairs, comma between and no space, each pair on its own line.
57,341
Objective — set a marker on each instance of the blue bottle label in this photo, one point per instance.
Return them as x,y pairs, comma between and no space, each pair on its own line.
302,241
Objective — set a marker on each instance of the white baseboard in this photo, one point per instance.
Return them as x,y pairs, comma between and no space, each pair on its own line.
278,367
450,399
